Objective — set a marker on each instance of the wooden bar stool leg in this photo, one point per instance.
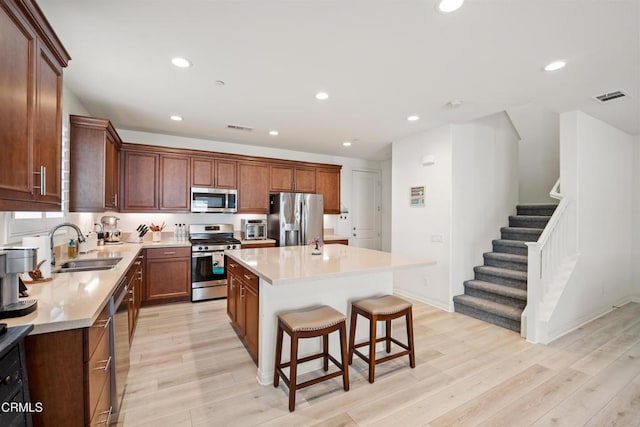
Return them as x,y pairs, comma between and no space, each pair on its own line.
388,336
412,352
372,347
325,352
343,351
276,376
352,333
293,371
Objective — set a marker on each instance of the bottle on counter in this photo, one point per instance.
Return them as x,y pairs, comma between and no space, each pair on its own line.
72,249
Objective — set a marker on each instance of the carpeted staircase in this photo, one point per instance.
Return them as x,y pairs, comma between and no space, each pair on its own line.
498,294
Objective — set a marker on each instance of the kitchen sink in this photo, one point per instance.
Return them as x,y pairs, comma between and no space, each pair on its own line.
87,265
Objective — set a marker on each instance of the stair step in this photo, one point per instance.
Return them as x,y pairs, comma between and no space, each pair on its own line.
502,294
529,221
505,260
536,209
489,311
520,233
510,246
502,276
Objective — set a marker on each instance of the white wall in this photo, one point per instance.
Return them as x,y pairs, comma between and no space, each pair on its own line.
385,205
636,217
597,173
485,190
412,227
539,151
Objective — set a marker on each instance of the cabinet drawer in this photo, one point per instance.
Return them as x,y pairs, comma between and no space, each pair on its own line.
98,372
10,375
251,280
103,410
234,267
168,253
95,332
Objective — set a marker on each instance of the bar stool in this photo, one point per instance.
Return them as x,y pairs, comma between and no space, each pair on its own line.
384,308
310,323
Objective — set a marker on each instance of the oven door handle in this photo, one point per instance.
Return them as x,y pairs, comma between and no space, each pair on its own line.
205,254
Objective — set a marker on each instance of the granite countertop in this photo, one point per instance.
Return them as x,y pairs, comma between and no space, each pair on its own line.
284,265
74,300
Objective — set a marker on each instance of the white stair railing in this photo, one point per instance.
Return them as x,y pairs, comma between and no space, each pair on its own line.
544,259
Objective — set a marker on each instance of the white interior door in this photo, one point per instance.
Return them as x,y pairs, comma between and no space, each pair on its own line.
365,223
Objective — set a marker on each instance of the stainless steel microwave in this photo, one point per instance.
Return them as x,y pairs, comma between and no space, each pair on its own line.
214,200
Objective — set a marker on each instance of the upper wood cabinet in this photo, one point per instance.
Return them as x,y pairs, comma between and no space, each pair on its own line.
94,154
174,189
292,179
328,184
253,187
31,109
140,177
213,173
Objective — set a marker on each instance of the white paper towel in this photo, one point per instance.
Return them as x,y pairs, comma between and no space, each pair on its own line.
44,252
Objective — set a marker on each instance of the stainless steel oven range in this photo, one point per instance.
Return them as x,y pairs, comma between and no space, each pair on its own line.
208,274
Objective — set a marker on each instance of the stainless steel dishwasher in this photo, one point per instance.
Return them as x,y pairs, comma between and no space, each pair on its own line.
119,346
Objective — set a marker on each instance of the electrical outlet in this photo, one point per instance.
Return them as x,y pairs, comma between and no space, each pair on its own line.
437,237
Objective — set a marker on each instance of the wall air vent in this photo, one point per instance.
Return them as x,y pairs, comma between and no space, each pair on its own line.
605,97
240,127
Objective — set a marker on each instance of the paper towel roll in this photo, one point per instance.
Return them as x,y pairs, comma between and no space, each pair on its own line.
44,252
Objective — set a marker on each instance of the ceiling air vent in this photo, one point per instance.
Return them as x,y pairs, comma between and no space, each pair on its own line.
240,127
605,97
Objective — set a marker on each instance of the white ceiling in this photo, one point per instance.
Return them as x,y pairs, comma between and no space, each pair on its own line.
379,60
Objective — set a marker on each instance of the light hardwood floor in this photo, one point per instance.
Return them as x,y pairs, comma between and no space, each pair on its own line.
188,368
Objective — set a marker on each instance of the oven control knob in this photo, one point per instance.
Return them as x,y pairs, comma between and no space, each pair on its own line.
228,246
199,248
206,248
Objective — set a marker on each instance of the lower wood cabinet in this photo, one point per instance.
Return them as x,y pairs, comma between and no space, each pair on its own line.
134,279
243,293
337,242
258,245
167,274
69,372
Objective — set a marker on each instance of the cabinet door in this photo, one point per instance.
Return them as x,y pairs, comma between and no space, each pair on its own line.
111,174
226,174
140,177
281,178
47,131
16,105
251,318
202,172
328,184
253,188
241,308
232,293
305,180
175,192
167,279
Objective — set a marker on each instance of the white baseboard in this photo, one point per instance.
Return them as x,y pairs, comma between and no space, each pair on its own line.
433,303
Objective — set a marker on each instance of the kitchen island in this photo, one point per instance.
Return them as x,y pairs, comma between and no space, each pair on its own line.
291,277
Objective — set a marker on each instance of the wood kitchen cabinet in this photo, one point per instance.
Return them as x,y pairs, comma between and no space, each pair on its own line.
69,372
167,274
140,177
134,293
243,304
30,108
213,173
253,187
292,179
94,156
174,186
328,184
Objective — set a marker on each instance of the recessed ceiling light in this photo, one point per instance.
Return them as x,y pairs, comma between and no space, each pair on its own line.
322,96
220,82
556,65
454,103
181,62
446,6
274,132
346,144
176,118
413,118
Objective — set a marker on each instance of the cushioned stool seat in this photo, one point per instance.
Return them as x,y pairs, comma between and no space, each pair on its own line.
384,308
310,323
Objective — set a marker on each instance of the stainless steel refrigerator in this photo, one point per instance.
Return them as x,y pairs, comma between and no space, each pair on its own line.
295,218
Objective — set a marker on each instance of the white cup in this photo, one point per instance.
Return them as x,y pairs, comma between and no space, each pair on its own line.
157,236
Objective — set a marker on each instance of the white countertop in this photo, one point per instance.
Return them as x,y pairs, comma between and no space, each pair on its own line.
283,265
74,300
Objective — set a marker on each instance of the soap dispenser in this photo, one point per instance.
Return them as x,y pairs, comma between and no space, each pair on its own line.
71,250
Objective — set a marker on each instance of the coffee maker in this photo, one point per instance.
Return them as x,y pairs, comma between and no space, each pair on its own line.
13,262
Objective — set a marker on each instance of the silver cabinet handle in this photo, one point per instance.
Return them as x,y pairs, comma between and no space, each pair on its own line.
43,180
107,421
115,199
104,368
170,253
232,265
241,291
104,323
246,276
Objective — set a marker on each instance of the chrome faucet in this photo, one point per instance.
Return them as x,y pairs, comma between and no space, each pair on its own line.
53,231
